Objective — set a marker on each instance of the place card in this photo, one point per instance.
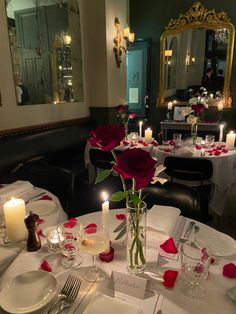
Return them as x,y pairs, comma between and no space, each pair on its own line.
131,285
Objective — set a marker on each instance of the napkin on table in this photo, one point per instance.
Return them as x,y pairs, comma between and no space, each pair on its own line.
163,218
15,189
101,304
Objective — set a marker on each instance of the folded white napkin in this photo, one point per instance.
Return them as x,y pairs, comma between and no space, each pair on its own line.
163,218
15,189
101,304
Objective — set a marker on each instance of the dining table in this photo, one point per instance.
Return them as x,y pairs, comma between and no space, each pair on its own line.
158,298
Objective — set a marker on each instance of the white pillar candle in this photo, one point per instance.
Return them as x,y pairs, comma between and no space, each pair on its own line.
169,105
221,133
140,128
220,106
230,140
14,213
106,218
148,135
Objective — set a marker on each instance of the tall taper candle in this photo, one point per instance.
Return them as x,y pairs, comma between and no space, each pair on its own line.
140,128
221,133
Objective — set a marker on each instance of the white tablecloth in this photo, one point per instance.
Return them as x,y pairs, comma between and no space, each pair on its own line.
174,301
224,173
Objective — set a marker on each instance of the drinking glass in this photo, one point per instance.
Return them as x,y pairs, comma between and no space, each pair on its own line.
209,140
53,239
70,232
195,264
94,240
177,138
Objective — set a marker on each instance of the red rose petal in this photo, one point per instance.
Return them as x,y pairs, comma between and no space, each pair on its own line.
217,153
169,278
46,198
229,270
45,266
167,150
107,257
40,221
120,216
169,246
69,224
91,228
225,150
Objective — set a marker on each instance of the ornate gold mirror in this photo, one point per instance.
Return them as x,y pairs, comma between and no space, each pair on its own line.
197,51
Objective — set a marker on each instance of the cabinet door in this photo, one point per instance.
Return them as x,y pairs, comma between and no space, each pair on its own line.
32,41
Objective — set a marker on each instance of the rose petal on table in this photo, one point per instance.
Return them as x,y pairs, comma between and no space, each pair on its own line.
46,197
40,221
229,270
167,150
225,150
223,145
69,224
169,246
107,257
91,228
120,216
169,278
45,266
154,143
199,268
198,146
217,153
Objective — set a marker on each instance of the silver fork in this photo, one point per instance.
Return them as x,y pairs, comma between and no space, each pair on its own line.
67,302
68,285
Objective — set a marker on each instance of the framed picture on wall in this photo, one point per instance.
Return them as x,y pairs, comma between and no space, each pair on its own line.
179,113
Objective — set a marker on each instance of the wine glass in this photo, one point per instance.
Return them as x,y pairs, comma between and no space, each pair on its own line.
94,240
69,235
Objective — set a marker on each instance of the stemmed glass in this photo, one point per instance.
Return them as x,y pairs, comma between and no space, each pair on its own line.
94,240
209,140
69,235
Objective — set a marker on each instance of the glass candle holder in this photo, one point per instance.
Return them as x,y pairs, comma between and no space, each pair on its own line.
53,236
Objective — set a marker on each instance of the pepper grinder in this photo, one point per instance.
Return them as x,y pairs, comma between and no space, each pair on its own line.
33,241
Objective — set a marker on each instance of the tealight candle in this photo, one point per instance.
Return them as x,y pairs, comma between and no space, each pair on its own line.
169,105
221,133
211,96
230,140
220,106
53,241
148,135
14,213
140,128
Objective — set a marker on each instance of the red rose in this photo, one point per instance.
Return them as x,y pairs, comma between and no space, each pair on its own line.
120,108
132,115
136,164
107,137
198,108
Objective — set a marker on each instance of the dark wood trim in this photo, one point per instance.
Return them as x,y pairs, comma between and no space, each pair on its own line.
41,127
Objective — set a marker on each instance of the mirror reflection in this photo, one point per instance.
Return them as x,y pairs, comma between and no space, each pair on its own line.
46,50
196,53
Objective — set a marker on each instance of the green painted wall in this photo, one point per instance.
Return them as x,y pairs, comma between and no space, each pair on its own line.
148,20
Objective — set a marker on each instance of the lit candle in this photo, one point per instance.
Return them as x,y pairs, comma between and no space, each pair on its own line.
221,133
53,237
169,105
175,102
140,128
230,140
14,213
148,135
220,106
105,217
211,96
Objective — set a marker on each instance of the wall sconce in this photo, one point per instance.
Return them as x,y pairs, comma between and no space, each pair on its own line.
127,36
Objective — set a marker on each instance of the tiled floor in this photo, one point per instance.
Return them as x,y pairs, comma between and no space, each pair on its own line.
227,223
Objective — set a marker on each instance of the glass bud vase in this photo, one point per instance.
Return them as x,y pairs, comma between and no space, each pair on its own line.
194,132
136,222
126,131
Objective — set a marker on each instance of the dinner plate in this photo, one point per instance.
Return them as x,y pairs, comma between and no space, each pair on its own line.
28,292
42,207
221,244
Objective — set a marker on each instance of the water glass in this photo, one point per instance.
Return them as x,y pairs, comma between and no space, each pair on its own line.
195,264
177,138
209,140
69,242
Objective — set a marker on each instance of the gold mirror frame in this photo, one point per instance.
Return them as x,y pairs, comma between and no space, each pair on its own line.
199,17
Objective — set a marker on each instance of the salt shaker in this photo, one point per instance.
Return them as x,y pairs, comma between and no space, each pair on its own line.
33,241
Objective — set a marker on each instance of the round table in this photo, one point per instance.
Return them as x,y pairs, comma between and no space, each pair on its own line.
174,301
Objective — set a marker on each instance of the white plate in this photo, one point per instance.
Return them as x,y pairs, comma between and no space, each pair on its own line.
221,244
28,292
42,207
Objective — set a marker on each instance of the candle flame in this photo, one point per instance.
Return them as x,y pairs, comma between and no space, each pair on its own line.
140,122
104,196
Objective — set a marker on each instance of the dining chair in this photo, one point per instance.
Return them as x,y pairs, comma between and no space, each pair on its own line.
174,194
195,172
